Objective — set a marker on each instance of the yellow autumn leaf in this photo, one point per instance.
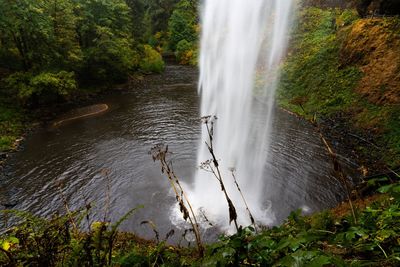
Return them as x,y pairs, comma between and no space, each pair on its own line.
6,245
97,226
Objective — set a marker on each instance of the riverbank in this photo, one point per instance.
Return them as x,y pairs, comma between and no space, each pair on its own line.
17,121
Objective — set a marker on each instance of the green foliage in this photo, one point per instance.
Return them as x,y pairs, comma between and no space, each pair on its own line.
11,124
109,60
150,16
39,33
346,17
92,38
316,81
314,74
183,23
106,40
392,136
151,60
42,88
6,142
26,29
319,240
57,242
186,53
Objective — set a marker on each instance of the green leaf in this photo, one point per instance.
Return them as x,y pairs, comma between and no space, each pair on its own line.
318,261
385,189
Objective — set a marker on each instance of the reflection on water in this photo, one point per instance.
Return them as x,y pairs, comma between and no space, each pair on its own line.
69,161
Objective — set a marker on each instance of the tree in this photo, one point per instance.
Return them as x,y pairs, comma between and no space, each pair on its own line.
26,30
138,9
150,17
40,34
65,46
161,11
183,23
105,35
92,38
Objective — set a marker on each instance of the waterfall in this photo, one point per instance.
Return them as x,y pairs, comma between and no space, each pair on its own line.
242,45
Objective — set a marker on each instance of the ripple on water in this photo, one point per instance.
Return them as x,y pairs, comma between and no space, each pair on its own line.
74,156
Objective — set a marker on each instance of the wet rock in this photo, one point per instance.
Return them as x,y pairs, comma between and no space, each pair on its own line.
3,155
390,7
8,205
378,7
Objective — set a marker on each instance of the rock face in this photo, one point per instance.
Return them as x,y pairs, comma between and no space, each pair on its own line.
329,3
378,7
390,7
364,7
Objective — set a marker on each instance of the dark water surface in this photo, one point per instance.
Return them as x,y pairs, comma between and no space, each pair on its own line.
106,157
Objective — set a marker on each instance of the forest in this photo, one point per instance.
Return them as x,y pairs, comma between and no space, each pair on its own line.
339,81
58,51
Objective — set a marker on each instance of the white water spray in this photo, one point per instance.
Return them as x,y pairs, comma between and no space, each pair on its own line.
242,45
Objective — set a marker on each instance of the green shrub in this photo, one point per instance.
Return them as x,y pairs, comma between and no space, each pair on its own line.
185,53
11,124
57,241
43,88
6,142
347,17
111,60
151,61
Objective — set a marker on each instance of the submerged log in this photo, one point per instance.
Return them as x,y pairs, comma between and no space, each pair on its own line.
82,113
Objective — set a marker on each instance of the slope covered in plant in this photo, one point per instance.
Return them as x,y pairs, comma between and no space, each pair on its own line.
341,66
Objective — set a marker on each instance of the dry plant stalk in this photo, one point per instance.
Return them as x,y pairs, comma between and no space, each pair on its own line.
253,222
153,227
160,153
67,209
106,173
339,173
213,167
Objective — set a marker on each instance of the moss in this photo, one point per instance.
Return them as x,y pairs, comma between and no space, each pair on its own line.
392,137
313,68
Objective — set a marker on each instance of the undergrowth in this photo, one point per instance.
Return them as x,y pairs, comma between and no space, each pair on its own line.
322,239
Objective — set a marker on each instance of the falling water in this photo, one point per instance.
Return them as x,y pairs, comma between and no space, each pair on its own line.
242,45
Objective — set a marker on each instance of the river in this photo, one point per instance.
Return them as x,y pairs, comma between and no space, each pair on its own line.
105,159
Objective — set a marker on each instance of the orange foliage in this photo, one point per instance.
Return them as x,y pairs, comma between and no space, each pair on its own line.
374,46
